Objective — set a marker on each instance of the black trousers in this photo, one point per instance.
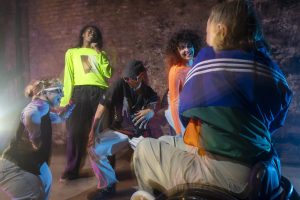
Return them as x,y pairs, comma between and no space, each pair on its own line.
79,124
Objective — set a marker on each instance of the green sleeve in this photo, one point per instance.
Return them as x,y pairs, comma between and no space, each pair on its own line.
68,79
105,68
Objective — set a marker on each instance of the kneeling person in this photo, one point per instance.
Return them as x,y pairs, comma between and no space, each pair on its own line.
123,112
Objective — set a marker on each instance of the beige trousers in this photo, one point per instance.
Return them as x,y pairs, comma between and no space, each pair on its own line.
168,161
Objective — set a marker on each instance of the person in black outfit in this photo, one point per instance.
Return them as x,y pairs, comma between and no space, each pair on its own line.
123,113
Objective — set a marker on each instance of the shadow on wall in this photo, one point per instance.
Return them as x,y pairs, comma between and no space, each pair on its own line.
287,140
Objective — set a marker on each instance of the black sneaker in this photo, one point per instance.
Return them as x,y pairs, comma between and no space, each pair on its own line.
102,194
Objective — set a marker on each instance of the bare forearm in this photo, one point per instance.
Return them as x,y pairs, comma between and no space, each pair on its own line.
96,120
34,134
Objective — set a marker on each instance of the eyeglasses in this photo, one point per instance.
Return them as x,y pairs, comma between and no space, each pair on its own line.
54,90
133,78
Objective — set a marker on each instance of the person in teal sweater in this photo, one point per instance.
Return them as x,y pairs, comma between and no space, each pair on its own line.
234,97
86,74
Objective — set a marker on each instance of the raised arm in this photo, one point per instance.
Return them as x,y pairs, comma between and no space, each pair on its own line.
105,67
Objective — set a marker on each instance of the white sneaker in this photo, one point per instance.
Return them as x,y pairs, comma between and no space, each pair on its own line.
142,195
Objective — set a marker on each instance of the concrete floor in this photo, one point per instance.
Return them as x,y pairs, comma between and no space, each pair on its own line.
78,189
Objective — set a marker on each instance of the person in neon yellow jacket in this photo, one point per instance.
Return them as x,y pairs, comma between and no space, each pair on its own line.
86,74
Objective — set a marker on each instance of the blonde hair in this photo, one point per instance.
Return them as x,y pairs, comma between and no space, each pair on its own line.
36,87
240,20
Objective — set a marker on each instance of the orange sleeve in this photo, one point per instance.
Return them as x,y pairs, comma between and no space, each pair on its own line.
192,135
176,77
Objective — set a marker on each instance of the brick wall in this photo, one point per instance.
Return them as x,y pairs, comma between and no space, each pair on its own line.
281,24
13,64
131,29
140,29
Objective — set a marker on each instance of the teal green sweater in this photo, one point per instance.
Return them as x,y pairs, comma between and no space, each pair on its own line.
231,133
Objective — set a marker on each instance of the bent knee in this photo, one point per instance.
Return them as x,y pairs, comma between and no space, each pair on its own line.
145,146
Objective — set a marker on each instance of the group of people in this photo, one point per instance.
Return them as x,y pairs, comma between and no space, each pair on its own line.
225,101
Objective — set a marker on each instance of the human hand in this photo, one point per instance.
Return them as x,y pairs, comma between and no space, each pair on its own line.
94,45
66,111
142,117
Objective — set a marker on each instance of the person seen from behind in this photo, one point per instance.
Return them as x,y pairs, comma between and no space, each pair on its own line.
235,97
121,120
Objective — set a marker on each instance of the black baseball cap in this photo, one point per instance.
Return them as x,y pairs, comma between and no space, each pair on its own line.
133,69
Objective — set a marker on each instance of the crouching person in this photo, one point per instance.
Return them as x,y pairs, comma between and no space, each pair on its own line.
24,166
123,113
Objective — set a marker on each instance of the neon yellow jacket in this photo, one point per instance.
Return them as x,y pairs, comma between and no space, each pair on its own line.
84,66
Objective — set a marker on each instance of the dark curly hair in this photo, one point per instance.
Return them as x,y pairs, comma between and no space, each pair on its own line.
182,36
98,39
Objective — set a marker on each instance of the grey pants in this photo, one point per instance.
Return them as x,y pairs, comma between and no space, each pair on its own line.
20,185
166,162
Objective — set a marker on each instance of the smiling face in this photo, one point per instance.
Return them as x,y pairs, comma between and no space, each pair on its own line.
186,51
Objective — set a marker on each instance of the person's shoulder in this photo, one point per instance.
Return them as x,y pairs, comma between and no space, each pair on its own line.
179,66
71,50
173,69
178,69
147,87
37,106
207,50
263,57
206,53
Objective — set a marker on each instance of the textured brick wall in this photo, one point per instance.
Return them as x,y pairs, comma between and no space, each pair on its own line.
140,29
131,29
282,26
